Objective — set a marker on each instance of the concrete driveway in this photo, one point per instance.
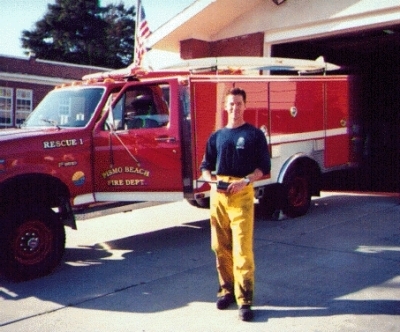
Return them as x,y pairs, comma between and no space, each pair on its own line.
335,269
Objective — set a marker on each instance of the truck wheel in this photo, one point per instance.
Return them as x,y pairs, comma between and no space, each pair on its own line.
298,193
203,203
268,202
192,202
32,243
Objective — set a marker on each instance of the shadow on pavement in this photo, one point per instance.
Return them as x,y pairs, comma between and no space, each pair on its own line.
341,258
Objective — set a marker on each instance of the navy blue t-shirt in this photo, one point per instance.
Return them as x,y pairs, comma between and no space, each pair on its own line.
237,151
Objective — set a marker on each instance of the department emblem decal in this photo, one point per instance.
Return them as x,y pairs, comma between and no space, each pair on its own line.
240,143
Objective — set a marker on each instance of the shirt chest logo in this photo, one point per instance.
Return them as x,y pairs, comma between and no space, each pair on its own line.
240,143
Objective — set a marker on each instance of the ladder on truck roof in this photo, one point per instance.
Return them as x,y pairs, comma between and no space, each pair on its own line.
222,65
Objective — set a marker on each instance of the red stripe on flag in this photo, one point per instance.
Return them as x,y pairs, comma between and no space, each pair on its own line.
141,35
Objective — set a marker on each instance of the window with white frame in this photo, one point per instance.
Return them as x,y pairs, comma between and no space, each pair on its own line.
6,106
24,105
64,110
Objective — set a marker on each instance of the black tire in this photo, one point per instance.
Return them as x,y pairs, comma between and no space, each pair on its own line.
269,202
297,184
192,202
32,243
203,203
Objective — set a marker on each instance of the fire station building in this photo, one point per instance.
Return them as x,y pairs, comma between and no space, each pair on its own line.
363,36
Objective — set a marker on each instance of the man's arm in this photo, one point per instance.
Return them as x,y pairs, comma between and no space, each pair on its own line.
207,176
238,185
256,175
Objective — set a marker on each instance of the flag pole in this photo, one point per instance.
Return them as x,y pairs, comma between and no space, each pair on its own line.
135,53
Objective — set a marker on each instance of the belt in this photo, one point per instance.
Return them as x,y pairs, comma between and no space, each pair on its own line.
228,178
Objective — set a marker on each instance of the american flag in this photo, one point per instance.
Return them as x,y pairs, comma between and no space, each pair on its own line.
141,34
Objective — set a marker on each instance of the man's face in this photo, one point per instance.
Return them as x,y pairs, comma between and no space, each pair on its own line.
235,107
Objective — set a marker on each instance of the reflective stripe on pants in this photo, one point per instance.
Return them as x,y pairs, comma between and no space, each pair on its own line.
232,223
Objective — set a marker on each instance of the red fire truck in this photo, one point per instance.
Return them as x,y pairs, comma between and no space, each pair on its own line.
131,135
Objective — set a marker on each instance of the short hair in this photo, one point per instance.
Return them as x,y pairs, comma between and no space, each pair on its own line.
237,92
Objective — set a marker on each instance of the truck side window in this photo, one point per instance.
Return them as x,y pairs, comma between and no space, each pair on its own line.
145,107
118,114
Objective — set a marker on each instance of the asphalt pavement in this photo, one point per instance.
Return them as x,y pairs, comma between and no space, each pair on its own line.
151,269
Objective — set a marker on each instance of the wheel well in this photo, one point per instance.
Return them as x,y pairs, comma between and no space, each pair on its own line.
307,166
33,189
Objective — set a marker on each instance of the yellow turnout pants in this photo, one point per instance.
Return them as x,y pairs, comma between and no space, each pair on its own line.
232,223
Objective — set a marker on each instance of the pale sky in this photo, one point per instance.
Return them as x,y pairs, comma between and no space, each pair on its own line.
18,15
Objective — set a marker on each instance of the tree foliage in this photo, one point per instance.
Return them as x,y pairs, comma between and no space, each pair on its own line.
82,32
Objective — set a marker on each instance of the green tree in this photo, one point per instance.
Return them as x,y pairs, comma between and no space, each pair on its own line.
82,32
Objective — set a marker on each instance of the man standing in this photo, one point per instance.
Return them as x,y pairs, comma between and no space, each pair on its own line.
236,155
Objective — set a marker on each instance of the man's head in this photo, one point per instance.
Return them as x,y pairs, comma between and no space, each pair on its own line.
237,92
235,105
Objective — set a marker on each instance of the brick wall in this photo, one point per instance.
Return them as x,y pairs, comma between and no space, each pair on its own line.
246,45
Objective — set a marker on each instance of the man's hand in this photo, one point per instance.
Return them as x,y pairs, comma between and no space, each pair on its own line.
237,186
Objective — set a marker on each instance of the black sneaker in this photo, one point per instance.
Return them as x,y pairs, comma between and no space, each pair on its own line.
225,301
245,313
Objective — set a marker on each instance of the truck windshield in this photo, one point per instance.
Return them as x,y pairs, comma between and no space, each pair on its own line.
72,107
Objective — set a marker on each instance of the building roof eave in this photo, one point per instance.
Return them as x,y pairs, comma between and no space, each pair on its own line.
33,79
162,37
186,24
